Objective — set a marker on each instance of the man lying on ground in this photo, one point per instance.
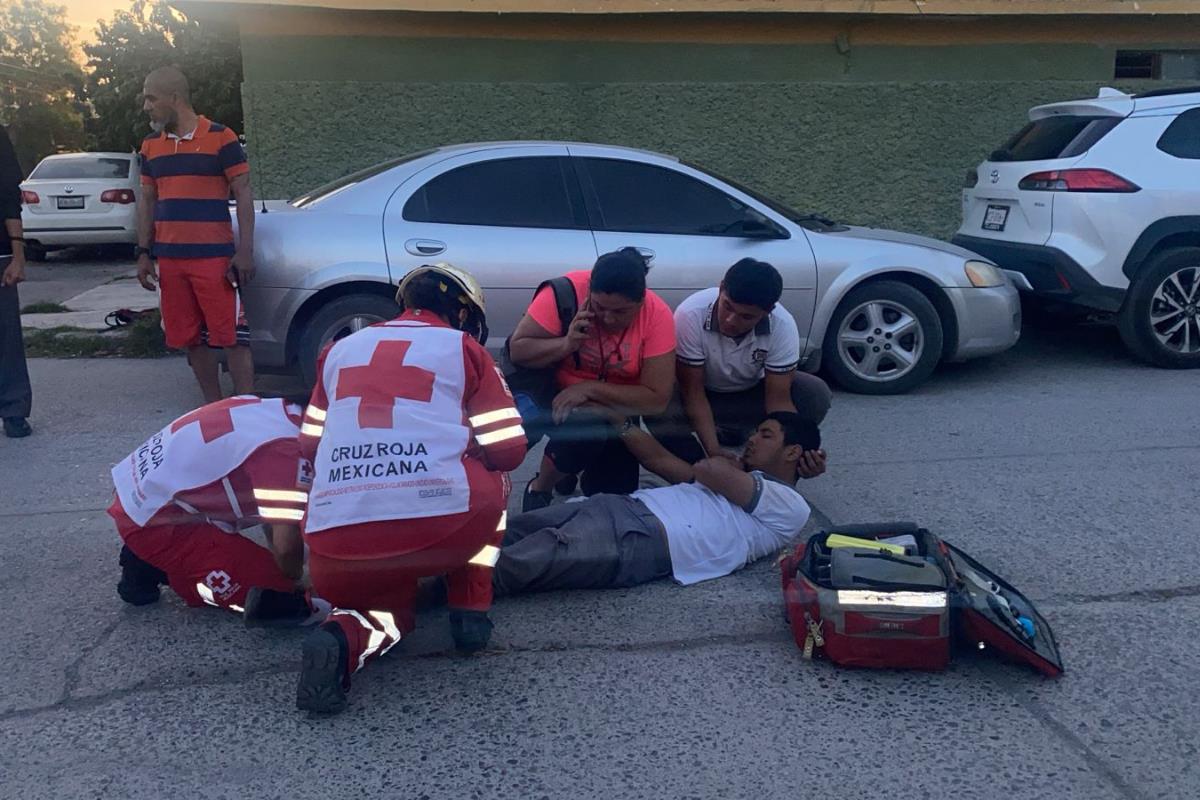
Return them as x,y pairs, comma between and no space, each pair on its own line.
183,497
721,514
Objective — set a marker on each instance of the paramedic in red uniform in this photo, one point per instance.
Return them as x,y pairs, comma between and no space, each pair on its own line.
183,497
411,430
190,167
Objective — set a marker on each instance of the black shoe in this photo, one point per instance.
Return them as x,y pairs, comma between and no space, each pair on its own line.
472,630
16,427
322,685
268,608
139,580
532,501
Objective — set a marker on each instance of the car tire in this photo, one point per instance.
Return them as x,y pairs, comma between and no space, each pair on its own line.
901,358
34,252
336,319
1165,293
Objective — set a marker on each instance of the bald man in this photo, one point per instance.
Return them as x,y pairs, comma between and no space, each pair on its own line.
190,167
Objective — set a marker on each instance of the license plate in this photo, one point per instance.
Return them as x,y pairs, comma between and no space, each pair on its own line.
996,218
70,202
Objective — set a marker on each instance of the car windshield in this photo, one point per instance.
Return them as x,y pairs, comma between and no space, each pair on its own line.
342,184
811,221
81,168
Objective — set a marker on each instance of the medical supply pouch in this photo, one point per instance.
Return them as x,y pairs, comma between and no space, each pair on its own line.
865,606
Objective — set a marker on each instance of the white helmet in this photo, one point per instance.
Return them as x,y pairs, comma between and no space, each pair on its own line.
465,289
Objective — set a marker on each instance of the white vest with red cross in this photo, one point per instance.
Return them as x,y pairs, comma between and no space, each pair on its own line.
395,431
200,448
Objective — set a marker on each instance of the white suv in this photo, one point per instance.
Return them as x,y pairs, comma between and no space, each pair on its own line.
1097,203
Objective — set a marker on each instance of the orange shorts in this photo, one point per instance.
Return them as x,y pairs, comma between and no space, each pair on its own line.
199,306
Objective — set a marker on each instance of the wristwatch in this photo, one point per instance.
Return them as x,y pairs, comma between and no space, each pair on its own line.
140,251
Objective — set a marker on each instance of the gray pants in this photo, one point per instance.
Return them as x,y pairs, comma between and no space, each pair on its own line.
606,541
16,396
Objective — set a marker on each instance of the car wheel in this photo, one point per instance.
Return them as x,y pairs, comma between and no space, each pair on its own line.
340,317
884,338
34,252
1160,321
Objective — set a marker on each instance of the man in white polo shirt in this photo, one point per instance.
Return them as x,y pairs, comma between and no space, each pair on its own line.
737,353
721,514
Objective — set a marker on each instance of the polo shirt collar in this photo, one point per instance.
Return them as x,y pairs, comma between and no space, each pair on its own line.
201,122
761,329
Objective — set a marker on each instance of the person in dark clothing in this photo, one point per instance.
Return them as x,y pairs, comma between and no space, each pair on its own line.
16,395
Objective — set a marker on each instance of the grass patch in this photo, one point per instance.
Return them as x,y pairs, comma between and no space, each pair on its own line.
142,339
45,308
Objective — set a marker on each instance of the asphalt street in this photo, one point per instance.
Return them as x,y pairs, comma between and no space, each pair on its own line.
1063,465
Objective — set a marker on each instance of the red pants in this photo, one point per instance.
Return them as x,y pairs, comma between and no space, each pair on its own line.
204,565
199,304
374,599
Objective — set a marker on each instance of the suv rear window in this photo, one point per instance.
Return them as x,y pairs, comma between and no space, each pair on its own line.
1182,138
1055,137
82,168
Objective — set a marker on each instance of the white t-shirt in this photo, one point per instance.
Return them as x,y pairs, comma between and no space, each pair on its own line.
731,365
710,537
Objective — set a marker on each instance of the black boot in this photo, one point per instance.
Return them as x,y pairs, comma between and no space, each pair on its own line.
139,580
322,686
16,427
472,630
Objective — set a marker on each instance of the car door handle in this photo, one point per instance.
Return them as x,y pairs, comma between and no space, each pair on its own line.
424,247
647,253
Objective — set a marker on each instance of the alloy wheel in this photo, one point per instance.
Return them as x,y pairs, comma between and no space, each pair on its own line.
1175,311
880,340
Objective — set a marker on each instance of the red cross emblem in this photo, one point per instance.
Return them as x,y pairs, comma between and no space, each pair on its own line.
381,382
215,420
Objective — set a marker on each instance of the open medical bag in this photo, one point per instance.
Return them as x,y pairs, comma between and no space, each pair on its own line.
895,596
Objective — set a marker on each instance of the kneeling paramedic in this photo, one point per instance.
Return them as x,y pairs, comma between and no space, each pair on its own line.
184,496
412,430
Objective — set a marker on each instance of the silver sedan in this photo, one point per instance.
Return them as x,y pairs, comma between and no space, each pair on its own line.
879,309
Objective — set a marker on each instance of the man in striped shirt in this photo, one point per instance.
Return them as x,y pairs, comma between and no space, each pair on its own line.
190,166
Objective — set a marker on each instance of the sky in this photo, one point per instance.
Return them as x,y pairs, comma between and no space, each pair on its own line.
84,13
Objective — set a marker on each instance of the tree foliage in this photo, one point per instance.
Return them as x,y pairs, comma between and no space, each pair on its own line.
41,85
151,34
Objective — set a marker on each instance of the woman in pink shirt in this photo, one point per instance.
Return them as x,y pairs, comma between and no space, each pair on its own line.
618,352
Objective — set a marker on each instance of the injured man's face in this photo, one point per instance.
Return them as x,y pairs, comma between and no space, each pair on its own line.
767,450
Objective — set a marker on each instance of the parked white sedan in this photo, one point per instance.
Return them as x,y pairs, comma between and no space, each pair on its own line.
80,199
880,308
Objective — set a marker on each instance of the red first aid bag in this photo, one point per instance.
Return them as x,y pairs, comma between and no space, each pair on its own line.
895,596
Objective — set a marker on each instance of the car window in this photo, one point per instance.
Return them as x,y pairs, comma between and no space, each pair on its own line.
1056,137
328,190
1182,137
82,168
528,192
643,198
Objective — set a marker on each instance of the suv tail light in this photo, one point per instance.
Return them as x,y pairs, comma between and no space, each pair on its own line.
122,196
972,179
30,198
1077,180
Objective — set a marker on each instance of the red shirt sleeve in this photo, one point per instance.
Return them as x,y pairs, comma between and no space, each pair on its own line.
659,327
313,426
232,156
491,414
544,308
147,178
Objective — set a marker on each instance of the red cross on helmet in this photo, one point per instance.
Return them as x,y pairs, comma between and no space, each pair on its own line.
466,289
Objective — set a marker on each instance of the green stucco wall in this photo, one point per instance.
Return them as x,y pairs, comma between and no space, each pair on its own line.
883,144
